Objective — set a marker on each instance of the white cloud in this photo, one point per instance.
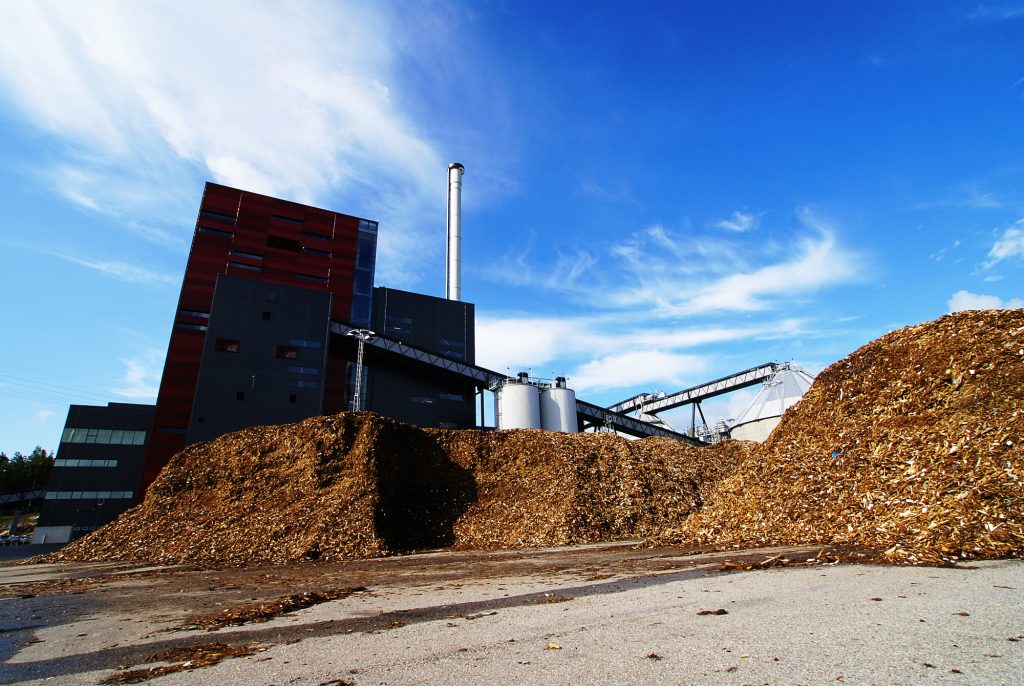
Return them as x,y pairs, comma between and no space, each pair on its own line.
43,415
638,368
725,282
294,100
123,271
740,222
141,379
1009,247
586,348
965,300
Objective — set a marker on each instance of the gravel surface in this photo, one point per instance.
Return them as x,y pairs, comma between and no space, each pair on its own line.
607,613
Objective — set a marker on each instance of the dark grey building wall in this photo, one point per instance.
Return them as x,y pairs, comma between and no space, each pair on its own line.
264,357
98,465
411,394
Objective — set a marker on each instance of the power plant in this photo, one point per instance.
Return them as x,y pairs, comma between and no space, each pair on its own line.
279,320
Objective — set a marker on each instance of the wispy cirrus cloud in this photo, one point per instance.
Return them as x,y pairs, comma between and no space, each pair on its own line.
1009,246
313,110
740,222
141,378
122,271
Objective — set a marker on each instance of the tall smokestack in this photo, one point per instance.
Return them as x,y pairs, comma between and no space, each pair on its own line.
453,274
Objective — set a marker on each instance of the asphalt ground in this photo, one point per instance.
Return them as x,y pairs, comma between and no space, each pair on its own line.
606,614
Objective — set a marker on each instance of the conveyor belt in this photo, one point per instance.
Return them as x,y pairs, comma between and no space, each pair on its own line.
652,404
485,378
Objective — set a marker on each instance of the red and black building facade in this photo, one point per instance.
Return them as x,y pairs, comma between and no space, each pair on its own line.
257,260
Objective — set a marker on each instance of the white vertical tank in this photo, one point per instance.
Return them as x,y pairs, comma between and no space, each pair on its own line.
558,408
517,404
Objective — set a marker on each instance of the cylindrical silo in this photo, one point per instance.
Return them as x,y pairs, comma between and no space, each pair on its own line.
558,408
517,406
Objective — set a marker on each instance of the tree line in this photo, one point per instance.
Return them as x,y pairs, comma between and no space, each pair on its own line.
25,472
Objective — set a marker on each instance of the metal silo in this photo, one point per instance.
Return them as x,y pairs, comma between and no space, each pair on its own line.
558,408
517,404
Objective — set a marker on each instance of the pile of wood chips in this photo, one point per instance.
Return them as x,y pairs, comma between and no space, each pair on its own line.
911,445
358,485
538,488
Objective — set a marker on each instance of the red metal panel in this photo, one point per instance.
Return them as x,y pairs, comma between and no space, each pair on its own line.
251,219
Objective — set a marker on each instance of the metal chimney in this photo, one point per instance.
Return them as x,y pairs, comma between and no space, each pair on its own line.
453,274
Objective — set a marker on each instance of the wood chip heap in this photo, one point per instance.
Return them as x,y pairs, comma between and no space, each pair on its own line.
358,485
912,444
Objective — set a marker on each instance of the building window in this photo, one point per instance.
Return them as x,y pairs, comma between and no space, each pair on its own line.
239,395
89,495
103,436
422,401
314,251
226,345
246,267
295,383
215,232
310,277
283,243
303,343
194,313
308,371
292,398
315,236
452,396
287,220
265,316
84,463
209,214
246,255
190,327
287,352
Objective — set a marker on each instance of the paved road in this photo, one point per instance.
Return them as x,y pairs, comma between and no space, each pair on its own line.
539,622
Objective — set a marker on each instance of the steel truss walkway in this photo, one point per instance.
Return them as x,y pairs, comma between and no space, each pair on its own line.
587,413
652,404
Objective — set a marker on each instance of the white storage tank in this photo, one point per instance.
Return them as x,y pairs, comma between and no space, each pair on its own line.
517,404
558,408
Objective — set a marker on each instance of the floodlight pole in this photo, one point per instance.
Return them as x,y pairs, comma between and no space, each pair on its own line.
362,335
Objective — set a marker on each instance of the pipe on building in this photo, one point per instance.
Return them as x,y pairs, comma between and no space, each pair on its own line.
453,273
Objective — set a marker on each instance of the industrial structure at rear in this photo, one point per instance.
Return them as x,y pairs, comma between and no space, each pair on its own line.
278,320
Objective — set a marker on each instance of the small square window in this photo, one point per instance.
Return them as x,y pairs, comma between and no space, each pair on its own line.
226,345
266,315
240,395
288,352
293,398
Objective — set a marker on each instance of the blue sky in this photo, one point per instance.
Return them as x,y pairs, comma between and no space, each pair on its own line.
656,193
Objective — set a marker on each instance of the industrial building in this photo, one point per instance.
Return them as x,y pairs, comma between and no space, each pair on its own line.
97,469
251,343
277,304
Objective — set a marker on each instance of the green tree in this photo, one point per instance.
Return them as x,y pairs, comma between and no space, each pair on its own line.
25,472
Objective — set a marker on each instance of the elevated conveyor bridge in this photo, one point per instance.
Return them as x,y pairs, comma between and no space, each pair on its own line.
587,413
651,404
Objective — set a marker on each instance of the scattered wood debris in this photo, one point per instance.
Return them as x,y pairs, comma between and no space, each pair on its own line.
263,612
182,659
